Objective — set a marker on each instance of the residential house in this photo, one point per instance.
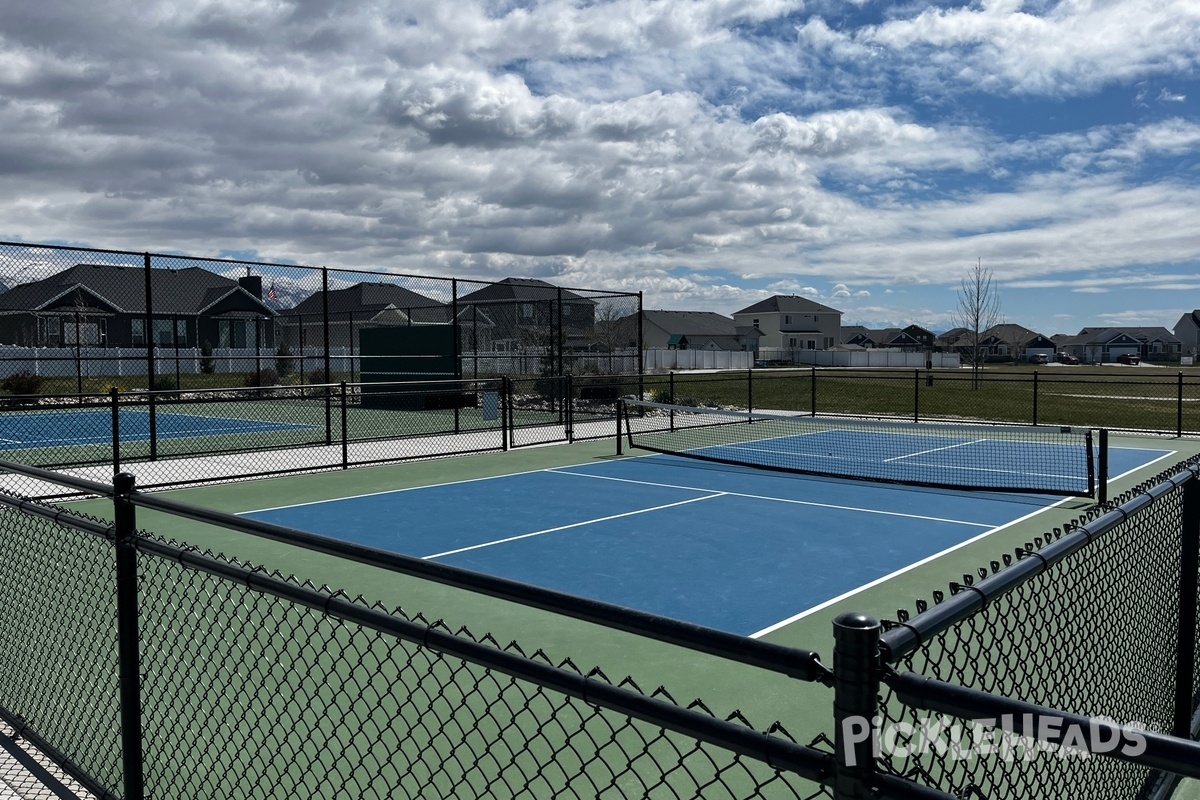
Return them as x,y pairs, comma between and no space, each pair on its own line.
792,322
524,310
1099,345
697,330
104,305
366,304
1187,331
912,339
1011,342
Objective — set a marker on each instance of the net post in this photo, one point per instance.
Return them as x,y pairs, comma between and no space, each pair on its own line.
1179,405
671,413
1102,468
1035,397
621,411
814,389
917,394
855,693
1189,567
749,390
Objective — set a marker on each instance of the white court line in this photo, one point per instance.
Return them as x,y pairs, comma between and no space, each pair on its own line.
416,488
573,525
935,450
901,571
777,499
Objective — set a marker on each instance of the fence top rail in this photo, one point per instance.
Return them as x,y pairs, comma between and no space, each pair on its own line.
969,599
794,662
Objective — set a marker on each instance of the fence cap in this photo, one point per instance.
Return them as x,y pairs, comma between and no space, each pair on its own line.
856,620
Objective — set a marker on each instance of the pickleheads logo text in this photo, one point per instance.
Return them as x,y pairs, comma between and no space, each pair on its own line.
1010,738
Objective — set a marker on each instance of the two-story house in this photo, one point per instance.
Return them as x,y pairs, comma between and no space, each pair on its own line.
792,322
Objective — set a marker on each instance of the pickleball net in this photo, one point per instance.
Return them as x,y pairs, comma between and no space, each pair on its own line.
999,458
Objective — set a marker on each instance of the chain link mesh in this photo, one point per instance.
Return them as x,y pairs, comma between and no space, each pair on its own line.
58,626
1094,634
252,687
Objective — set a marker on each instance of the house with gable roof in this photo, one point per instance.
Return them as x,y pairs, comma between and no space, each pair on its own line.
522,310
371,304
1100,345
696,330
792,322
1187,331
104,305
911,339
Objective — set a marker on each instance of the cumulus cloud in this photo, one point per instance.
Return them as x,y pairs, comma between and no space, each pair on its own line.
637,144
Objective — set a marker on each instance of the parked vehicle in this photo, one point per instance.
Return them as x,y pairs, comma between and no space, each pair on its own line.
1128,358
1039,358
1067,358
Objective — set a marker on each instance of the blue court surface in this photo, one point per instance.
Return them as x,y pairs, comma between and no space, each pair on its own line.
94,426
729,547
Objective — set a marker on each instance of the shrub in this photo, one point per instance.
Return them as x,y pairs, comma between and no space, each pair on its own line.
284,363
23,382
165,383
208,364
266,377
661,395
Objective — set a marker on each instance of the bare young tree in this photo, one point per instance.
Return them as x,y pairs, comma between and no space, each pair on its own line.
978,309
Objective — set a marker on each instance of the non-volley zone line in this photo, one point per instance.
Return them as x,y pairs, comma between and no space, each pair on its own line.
706,494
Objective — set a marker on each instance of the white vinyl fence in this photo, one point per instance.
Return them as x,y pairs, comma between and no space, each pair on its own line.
662,358
859,358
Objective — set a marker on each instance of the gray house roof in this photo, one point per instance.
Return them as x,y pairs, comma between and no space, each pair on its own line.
787,303
691,323
518,289
368,300
118,289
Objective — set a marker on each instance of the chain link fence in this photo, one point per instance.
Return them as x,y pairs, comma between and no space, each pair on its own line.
197,675
248,683
76,320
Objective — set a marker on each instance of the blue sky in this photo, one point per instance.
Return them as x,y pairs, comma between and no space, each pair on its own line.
708,153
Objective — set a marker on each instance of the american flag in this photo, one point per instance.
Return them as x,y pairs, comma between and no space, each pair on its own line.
271,293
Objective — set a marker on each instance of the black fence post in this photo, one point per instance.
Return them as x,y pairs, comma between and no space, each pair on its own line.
148,338
345,430
505,412
1189,571
1102,469
855,693
325,328
569,407
114,397
129,667
622,411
